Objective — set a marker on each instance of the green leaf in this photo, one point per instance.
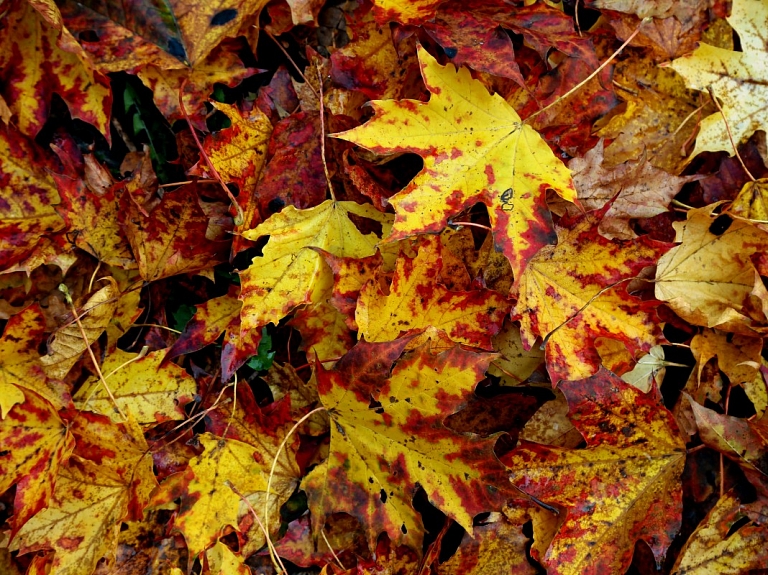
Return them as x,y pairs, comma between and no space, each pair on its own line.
263,360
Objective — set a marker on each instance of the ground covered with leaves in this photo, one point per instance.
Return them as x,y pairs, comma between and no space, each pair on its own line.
423,287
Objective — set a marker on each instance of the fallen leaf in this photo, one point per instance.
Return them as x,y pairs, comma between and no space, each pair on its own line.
716,548
708,279
417,300
571,303
140,385
487,154
68,344
35,443
379,454
635,448
737,79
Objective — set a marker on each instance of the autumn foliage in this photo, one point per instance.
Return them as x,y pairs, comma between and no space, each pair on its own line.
425,287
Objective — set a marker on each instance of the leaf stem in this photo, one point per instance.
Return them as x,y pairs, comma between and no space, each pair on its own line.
593,74
322,135
730,136
239,217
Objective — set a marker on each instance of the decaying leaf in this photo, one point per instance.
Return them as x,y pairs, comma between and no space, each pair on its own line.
635,448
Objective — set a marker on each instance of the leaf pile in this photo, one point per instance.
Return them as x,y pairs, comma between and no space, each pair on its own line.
419,287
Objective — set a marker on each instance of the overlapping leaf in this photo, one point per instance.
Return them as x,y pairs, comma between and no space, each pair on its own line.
484,153
622,487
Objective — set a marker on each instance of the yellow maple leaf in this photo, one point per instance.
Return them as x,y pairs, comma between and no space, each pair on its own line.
284,277
737,79
708,279
151,392
475,149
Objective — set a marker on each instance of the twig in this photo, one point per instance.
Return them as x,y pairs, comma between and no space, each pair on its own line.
278,563
336,557
473,224
322,135
593,74
730,136
239,217
63,289
277,456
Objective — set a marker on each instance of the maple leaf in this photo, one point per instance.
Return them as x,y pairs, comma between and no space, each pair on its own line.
635,448
109,478
68,345
410,12
92,219
709,279
379,454
20,363
150,392
559,299
28,195
35,443
638,190
475,149
752,201
721,544
175,237
39,57
416,300
238,152
284,276
737,79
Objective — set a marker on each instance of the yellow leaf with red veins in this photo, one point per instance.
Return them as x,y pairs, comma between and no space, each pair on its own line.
20,363
68,345
737,79
284,276
92,220
150,392
380,457
623,486
475,149
243,458
723,543
38,59
209,505
417,300
34,442
238,153
349,277
324,332
27,197
708,279
556,299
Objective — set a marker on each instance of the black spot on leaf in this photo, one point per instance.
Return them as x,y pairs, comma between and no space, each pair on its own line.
720,225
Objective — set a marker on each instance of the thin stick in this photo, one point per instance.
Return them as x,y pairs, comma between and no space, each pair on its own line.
322,532
277,456
142,354
322,135
93,276
201,181
63,289
239,217
730,136
287,55
693,450
157,325
473,224
593,74
685,121
277,562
